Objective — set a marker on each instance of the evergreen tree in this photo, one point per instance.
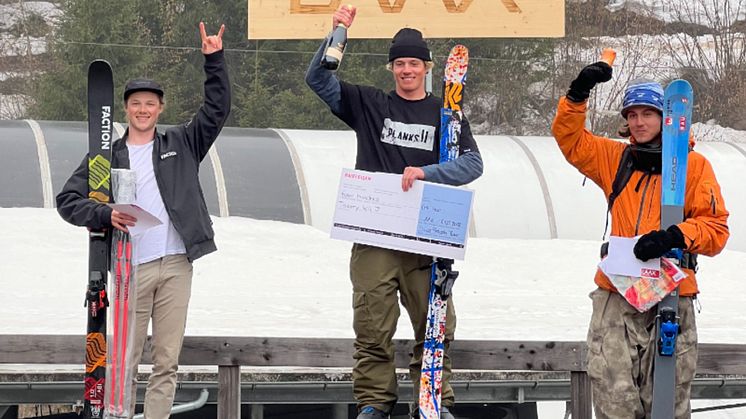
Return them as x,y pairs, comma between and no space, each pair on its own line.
88,31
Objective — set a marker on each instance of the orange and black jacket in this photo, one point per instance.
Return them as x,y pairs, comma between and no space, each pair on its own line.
636,210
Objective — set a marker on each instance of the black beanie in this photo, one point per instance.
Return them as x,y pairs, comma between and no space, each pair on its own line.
409,43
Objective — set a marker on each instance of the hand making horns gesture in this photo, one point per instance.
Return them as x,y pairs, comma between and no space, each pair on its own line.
211,43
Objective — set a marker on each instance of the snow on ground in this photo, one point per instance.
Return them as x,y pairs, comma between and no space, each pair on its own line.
710,131
13,106
508,289
5,75
11,13
271,278
691,11
14,46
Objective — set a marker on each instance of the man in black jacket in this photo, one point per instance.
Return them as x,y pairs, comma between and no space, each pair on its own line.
167,168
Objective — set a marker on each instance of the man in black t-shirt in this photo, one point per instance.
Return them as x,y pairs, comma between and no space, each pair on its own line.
397,132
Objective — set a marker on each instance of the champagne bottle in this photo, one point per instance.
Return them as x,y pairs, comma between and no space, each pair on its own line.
336,48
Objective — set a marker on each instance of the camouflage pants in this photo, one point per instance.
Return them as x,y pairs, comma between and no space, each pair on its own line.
621,349
378,275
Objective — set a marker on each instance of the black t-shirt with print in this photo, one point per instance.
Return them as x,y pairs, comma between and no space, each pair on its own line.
392,132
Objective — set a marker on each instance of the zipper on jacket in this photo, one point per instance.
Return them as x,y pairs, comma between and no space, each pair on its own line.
642,200
713,202
650,202
159,182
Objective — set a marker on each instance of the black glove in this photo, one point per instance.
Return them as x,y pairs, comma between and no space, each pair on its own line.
589,77
656,243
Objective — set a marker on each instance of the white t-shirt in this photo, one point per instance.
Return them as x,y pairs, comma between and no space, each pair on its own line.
162,240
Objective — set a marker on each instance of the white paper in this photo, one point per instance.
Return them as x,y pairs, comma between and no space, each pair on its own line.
429,219
145,220
621,259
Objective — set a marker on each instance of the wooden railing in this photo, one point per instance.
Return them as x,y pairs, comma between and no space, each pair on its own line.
230,353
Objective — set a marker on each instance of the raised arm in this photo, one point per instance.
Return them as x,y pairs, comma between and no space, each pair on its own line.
590,154
322,81
202,130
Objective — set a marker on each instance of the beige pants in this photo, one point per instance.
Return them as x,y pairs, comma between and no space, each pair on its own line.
621,349
163,290
378,275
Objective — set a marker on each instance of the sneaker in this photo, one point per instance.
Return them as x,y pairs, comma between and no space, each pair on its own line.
369,412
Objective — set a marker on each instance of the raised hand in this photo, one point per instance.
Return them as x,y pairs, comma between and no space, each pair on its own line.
212,43
592,74
344,15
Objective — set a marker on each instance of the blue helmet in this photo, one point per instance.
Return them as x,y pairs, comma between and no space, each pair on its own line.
643,93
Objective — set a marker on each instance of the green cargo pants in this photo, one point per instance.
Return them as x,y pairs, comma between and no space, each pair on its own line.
621,349
377,276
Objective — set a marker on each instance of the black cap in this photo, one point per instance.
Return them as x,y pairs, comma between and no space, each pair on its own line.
139,85
409,43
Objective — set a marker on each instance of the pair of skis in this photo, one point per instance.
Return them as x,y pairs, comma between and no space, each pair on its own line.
677,115
107,372
442,276
119,372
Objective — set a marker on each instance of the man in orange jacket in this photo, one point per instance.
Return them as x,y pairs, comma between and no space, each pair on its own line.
621,340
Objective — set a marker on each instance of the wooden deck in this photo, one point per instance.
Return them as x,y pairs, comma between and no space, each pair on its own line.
475,361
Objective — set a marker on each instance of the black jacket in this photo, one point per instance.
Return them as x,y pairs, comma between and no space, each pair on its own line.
177,154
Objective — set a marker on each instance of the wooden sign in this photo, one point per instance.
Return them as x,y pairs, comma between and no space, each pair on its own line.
312,19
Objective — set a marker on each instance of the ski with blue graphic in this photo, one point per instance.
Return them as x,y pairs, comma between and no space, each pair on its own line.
677,120
442,276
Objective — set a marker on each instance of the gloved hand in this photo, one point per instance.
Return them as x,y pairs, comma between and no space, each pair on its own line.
589,77
656,243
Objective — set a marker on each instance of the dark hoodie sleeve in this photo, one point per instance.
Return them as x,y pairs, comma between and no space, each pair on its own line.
74,206
203,129
324,82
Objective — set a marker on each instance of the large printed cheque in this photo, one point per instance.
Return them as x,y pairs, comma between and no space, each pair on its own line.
430,218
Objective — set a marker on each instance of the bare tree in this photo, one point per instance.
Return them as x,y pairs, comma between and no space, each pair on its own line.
714,63
636,39
639,58
22,47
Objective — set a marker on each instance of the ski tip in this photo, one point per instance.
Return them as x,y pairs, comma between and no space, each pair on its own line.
459,49
608,55
98,64
457,64
679,84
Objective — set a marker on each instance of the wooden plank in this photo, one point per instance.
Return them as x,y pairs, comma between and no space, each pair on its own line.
42,349
322,352
719,358
580,395
229,392
515,355
307,352
201,350
488,355
485,355
311,19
